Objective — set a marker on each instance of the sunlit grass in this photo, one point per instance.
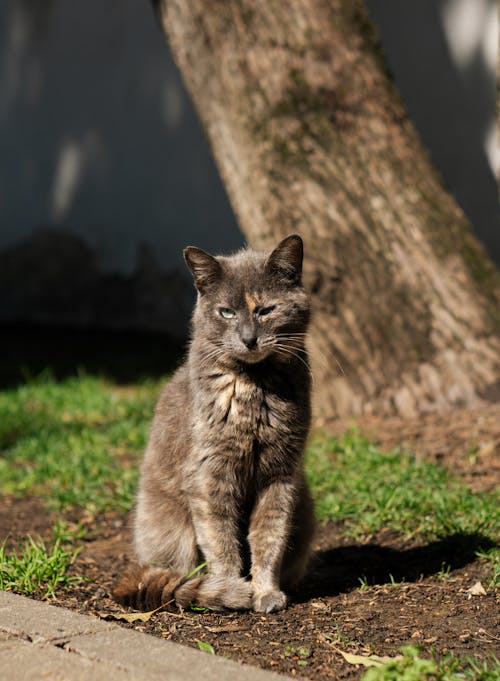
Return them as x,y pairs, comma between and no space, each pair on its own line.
74,443
414,666
356,483
36,568
79,442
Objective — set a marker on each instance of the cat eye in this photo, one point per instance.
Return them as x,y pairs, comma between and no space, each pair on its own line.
266,310
227,313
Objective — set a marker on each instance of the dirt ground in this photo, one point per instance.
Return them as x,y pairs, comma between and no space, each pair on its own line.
409,600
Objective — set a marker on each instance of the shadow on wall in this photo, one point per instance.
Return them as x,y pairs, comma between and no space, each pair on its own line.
53,278
125,327
31,351
440,54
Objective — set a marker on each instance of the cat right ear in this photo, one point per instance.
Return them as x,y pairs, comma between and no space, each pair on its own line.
205,269
286,259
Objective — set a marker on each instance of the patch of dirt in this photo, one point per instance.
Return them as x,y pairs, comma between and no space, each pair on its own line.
413,593
467,441
407,600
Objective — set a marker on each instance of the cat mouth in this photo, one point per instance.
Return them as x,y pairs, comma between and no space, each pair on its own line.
253,356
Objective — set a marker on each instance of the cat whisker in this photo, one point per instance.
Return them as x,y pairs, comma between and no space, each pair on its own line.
214,352
212,356
291,335
319,353
293,352
326,364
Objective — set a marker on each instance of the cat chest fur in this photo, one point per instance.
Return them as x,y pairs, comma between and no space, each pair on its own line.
242,429
234,409
237,401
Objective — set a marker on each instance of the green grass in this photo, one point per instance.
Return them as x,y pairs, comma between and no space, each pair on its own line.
354,482
79,442
74,443
36,568
412,667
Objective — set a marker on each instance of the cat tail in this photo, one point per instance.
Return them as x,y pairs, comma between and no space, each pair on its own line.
148,588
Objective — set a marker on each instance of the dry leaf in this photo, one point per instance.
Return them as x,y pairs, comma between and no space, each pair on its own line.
127,616
476,589
132,617
367,660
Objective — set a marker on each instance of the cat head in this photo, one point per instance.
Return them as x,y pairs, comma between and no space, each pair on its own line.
251,305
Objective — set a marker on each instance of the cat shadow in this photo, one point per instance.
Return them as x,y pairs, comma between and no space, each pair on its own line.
341,569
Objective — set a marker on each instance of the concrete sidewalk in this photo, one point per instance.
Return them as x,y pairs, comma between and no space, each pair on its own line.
40,641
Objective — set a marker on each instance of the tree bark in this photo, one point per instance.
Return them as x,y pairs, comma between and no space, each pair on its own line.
311,137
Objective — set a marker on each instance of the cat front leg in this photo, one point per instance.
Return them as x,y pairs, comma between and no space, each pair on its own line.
216,532
268,534
215,519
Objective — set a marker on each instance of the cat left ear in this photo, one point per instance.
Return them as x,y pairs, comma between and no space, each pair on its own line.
205,269
286,259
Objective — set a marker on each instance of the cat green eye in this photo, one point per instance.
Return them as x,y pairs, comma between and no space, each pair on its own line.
227,313
266,310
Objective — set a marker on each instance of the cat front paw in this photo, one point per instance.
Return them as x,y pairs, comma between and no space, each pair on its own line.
269,601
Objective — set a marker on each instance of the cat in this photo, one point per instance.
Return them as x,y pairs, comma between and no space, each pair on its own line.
222,480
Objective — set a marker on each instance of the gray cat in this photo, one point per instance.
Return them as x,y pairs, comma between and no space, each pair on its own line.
222,480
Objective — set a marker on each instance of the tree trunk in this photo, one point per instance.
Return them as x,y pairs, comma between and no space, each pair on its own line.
311,137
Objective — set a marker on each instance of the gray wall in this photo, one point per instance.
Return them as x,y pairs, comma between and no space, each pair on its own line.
105,174
98,136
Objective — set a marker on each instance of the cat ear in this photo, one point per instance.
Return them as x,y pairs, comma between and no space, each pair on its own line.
286,259
205,269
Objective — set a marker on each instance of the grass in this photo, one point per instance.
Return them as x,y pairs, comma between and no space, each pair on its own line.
35,568
74,443
78,443
367,490
410,666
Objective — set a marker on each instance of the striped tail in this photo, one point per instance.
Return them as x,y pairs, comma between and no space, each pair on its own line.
148,588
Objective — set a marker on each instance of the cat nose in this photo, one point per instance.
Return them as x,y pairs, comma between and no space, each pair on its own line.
249,338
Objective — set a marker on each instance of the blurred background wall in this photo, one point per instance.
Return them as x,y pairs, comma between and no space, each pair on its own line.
105,174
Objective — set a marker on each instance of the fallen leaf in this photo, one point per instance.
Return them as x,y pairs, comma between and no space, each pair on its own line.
132,617
476,589
206,647
367,660
127,616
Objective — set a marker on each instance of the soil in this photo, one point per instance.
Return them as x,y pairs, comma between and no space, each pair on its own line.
410,598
